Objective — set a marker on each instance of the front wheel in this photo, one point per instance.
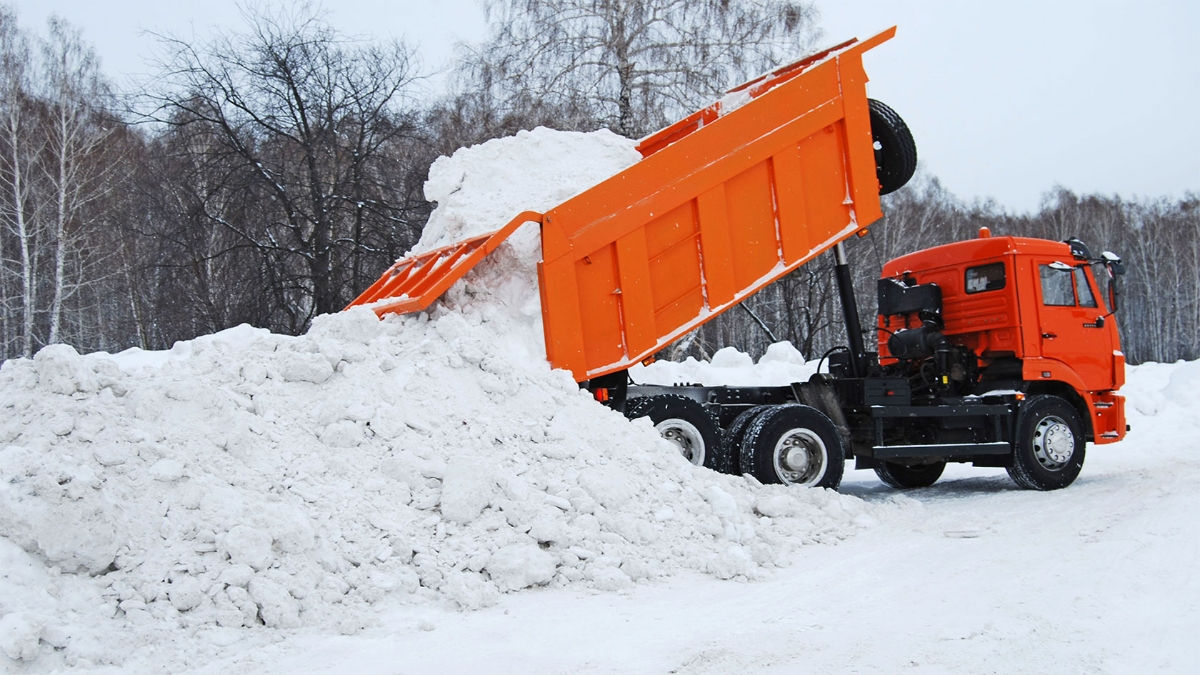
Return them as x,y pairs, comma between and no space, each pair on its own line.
684,422
793,444
1049,448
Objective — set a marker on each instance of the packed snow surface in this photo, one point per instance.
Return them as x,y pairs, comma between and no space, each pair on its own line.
424,494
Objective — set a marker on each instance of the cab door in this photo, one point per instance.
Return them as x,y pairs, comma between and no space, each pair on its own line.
1072,327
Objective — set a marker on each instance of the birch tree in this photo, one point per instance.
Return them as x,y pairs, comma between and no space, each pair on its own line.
632,65
76,132
17,167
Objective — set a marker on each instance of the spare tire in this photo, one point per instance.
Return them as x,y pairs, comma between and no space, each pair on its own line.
895,149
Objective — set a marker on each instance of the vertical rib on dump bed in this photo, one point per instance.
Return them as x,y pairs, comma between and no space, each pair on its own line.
721,206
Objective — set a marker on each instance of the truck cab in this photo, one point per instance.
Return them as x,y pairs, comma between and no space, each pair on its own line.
1025,314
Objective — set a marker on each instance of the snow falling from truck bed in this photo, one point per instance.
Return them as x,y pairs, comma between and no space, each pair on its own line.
247,481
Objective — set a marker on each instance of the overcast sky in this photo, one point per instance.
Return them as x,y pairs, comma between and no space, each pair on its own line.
1006,99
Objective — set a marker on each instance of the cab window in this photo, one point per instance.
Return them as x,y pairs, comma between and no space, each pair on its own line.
1101,275
985,278
1056,286
1086,298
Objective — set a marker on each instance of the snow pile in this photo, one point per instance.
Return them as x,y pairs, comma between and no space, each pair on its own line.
781,365
1161,401
247,479
259,479
533,170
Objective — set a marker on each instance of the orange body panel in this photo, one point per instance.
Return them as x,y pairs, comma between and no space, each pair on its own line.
723,203
1063,344
413,283
721,206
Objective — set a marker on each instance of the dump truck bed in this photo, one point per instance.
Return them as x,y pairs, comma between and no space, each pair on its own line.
723,203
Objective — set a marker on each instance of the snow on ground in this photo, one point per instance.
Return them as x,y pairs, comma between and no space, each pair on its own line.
422,494
970,576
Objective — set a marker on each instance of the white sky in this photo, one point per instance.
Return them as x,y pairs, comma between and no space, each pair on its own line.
1006,100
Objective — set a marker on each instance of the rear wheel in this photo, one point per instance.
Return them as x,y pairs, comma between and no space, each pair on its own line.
1049,447
731,440
793,444
903,476
684,422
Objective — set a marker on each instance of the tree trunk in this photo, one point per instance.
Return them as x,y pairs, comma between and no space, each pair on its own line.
21,228
624,79
60,230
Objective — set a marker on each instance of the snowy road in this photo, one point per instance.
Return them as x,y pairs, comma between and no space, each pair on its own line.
971,575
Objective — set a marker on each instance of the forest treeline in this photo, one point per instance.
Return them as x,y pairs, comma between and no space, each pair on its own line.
270,174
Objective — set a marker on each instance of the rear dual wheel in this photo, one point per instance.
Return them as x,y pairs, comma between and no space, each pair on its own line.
792,444
684,422
731,440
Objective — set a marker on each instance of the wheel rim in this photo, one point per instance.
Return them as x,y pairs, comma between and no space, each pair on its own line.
686,436
800,457
1053,442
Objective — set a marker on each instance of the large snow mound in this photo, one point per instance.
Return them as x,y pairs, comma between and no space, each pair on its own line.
247,481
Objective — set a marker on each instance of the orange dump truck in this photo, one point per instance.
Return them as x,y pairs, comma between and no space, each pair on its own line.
996,351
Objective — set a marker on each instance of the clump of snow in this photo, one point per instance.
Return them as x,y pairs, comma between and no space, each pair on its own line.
533,170
734,100
246,481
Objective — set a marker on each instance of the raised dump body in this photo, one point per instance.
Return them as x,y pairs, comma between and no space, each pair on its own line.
723,203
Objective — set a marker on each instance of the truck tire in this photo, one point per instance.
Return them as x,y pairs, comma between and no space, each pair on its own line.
901,476
895,149
1048,450
685,423
793,444
731,440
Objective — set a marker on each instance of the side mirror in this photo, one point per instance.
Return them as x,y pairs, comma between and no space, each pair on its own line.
1113,262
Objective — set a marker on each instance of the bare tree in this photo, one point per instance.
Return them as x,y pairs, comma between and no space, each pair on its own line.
301,120
17,170
630,64
56,168
76,132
